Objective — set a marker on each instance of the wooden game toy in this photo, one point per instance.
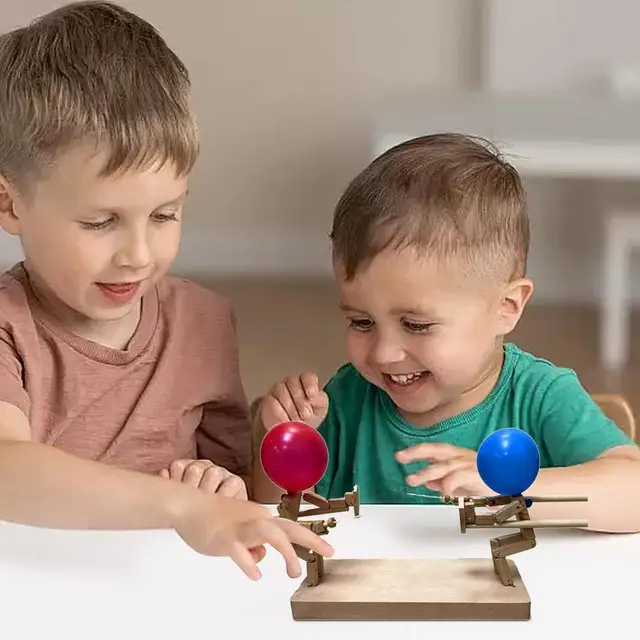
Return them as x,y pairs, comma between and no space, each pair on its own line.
510,506
418,589
289,507
295,457
290,504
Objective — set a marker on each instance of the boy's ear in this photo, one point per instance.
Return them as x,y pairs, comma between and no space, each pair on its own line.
512,303
8,219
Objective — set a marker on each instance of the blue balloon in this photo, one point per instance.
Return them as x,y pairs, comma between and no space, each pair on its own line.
508,461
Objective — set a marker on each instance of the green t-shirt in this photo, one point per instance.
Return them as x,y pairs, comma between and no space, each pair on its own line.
364,430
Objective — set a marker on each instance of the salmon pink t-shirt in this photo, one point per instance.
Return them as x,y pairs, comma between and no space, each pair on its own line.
174,392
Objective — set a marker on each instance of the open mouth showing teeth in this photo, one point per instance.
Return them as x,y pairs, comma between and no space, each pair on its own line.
406,378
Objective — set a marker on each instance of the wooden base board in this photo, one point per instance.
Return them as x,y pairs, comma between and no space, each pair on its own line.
406,589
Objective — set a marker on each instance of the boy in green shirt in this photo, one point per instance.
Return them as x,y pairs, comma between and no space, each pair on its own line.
430,245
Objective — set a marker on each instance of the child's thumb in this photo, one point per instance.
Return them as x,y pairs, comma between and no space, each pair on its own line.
320,401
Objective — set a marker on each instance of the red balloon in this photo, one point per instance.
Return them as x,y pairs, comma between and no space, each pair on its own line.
294,456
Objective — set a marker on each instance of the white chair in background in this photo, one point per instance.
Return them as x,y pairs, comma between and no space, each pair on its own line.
621,237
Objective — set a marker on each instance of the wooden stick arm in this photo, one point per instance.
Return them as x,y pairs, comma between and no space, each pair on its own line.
485,501
477,501
290,505
319,527
557,498
529,524
315,499
509,510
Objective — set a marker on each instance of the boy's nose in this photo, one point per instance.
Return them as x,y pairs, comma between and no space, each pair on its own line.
134,253
387,351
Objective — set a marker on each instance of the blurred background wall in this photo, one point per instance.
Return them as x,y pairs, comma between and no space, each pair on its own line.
287,91
284,91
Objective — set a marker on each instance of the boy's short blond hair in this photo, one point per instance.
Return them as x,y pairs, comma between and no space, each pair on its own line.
92,72
448,196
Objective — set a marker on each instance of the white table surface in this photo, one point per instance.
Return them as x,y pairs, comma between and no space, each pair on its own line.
150,585
546,134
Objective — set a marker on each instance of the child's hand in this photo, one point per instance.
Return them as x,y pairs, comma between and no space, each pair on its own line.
452,470
218,526
297,399
203,474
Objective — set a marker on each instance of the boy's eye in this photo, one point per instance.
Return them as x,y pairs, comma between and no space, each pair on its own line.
102,224
164,217
417,327
95,226
360,325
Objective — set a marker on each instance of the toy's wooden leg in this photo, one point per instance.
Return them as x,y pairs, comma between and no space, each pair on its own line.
315,565
500,564
507,546
501,567
320,565
315,562
313,571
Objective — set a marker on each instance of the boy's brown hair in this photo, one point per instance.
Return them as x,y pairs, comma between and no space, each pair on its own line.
447,195
92,71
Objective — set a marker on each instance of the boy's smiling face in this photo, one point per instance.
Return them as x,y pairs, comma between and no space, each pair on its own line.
95,245
426,334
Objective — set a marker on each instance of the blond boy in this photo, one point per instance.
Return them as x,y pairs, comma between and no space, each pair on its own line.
121,404
430,246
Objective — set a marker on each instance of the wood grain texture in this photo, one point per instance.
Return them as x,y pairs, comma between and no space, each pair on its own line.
406,589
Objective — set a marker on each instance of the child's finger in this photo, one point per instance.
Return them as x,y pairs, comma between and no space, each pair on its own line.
246,560
320,403
267,531
258,553
433,451
177,468
272,412
209,478
436,471
456,482
303,536
299,396
436,486
232,487
283,395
